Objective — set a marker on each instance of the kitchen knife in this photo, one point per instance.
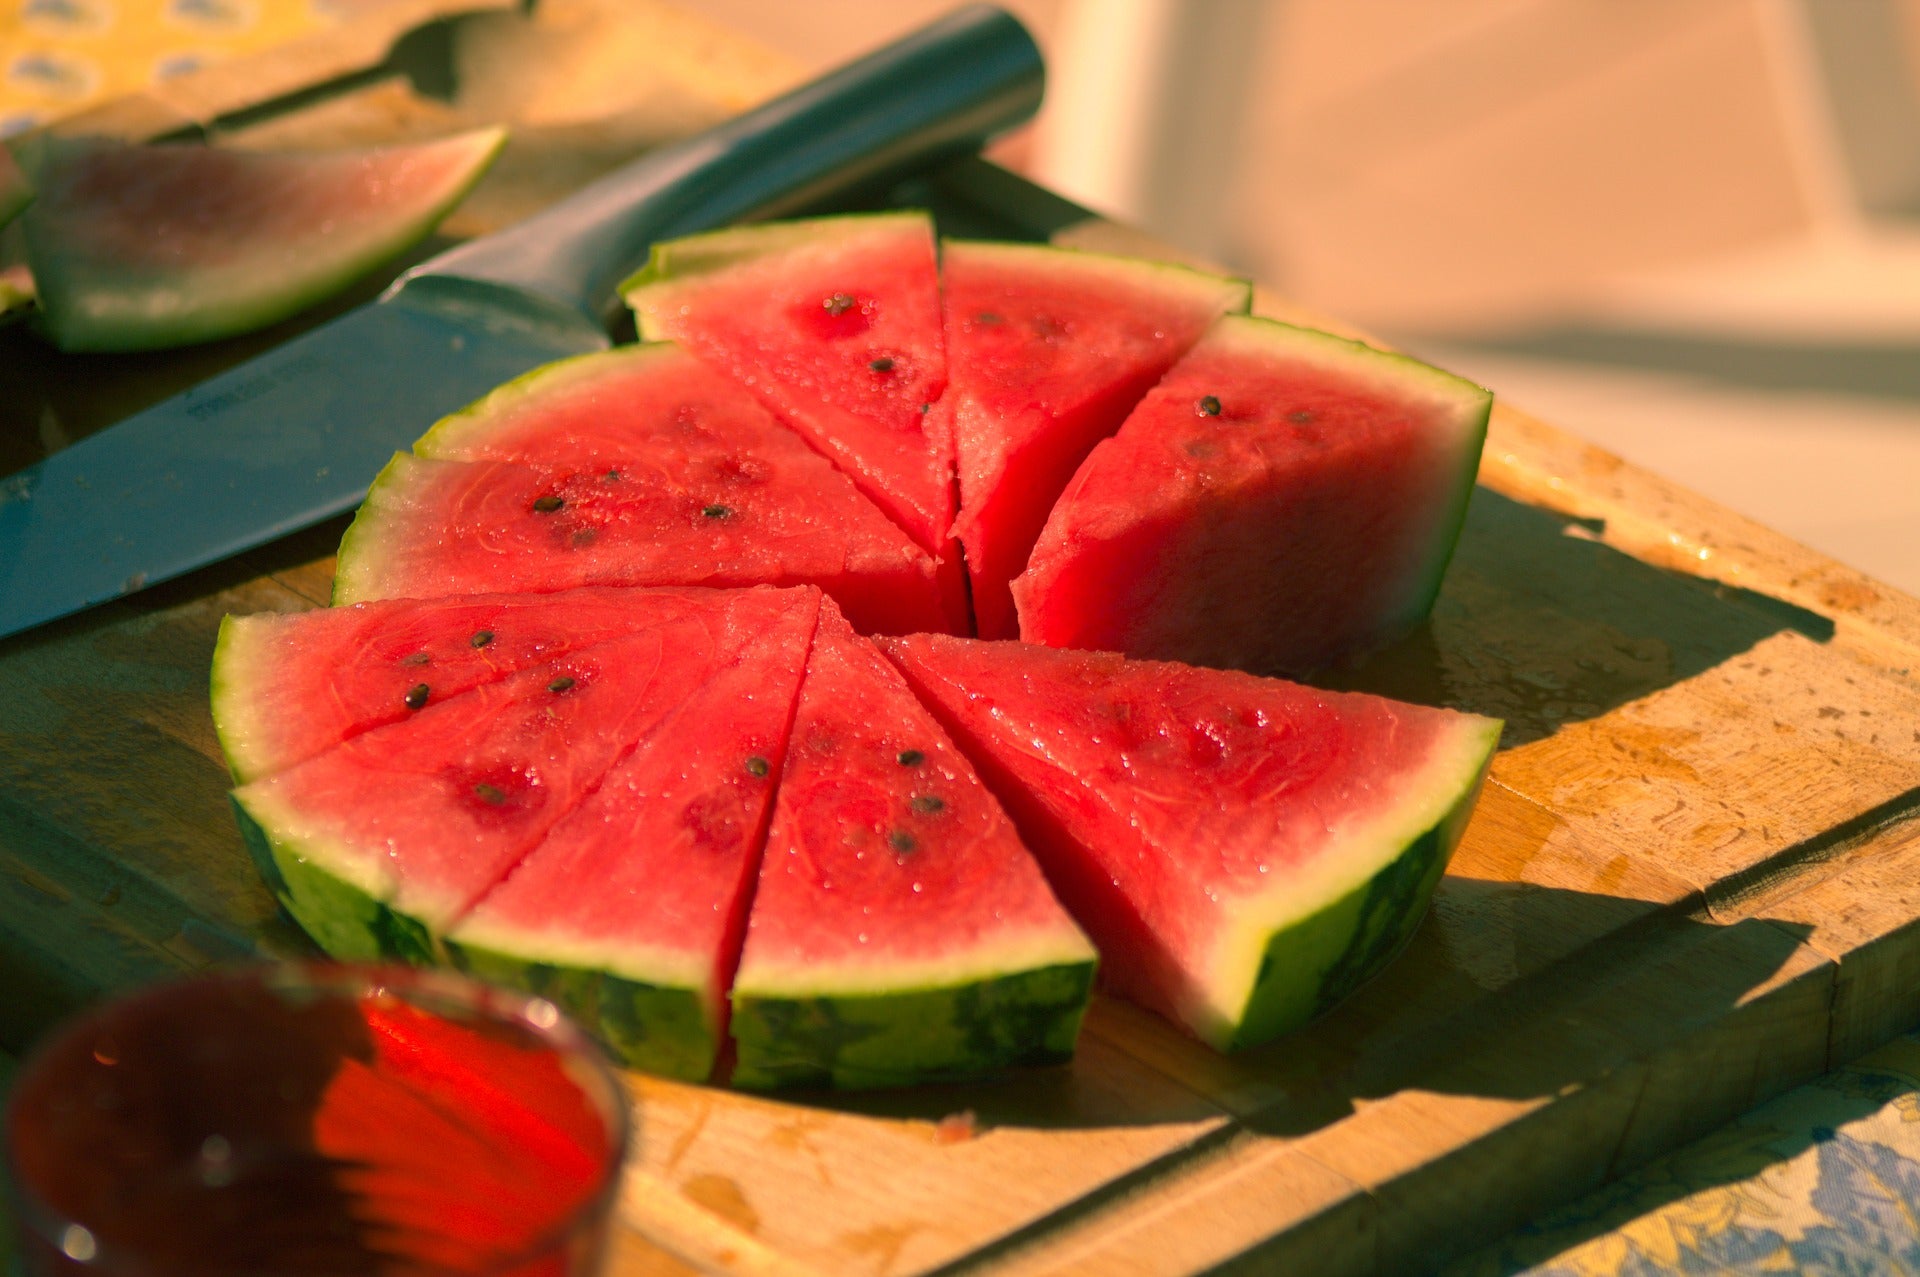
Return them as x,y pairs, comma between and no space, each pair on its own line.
296,435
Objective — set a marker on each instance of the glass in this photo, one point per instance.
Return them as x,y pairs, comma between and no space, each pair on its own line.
319,1119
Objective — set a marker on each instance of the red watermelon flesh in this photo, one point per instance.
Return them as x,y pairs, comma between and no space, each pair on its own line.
423,816
1244,851
669,844
1047,351
287,686
835,324
900,930
686,515
1282,500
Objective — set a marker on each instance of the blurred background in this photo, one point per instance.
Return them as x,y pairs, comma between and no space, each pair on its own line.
1684,229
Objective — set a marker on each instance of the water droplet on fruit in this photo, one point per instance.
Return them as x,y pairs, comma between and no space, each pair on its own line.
106,1051
542,1014
77,1244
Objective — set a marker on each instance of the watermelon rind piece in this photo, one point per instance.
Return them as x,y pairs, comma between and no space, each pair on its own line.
1048,350
147,247
1283,501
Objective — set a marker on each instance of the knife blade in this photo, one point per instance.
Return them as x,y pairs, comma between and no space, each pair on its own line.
296,435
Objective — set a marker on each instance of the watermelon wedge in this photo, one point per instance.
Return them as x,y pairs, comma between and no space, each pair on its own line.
287,686
670,843
1244,852
1284,499
900,931
140,247
1048,350
835,323
378,845
636,466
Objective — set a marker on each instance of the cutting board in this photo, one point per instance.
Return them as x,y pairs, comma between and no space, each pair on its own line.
1693,879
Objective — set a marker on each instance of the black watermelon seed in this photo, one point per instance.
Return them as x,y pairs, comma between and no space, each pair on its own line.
415,658
481,638
882,364
1209,407
838,304
988,317
611,476
718,511
902,841
417,695
758,766
547,505
488,794
910,758
1300,416
925,408
560,684
927,804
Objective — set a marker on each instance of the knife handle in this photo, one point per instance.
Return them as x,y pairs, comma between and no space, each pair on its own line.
941,91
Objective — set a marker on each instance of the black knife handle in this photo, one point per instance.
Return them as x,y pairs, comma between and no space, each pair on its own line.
943,90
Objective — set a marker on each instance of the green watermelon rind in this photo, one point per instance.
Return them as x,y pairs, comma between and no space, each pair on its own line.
677,261
356,572
904,1037
16,191
447,438
1288,958
1092,262
118,323
239,718
659,1027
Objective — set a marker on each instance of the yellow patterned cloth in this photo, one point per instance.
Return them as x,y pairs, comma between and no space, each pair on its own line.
57,56
1823,1180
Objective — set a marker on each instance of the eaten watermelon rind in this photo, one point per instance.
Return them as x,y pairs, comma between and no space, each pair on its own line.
965,1031
93,298
659,1027
1296,961
674,261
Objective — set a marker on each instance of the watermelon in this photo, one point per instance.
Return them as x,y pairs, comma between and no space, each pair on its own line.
288,686
1282,500
139,247
900,931
635,466
668,845
835,323
381,843
1244,851
16,192
1047,351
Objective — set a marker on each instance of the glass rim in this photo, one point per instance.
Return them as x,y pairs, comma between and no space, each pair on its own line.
537,1015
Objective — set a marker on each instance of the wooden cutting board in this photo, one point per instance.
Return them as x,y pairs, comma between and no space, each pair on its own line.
1693,879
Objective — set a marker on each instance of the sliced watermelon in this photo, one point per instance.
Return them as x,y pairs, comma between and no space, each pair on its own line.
1048,350
16,192
1284,499
900,931
666,850
1244,851
378,845
718,495
139,247
287,686
835,323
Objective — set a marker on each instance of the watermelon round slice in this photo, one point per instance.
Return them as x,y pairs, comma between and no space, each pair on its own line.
379,844
636,466
1284,499
900,931
1048,350
1244,851
666,850
140,247
835,323
287,686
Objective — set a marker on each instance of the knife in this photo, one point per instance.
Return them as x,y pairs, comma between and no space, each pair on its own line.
297,434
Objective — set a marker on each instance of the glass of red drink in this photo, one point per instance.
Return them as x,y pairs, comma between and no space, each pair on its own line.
319,1119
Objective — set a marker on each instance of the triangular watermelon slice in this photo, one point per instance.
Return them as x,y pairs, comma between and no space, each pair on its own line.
1284,499
629,914
835,323
723,496
139,247
288,685
1244,851
900,931
1048,350
377,845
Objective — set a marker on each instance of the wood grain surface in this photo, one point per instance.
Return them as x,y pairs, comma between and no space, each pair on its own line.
1691,882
